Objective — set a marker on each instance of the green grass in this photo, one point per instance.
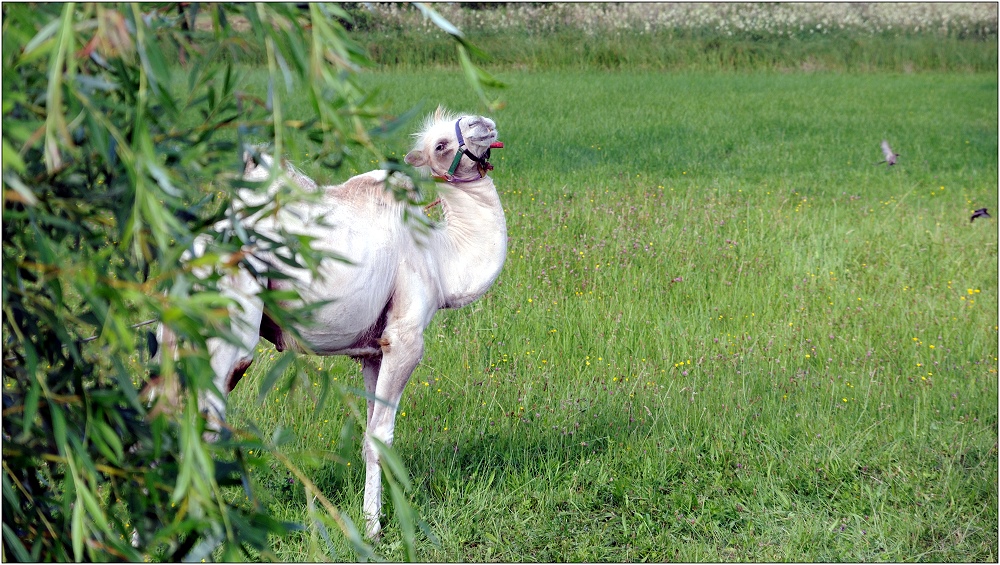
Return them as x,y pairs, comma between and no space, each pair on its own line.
663,51
675,51
722,333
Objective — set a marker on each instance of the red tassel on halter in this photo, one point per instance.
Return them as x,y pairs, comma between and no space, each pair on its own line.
496,145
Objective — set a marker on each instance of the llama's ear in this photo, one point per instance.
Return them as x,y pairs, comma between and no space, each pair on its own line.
415,158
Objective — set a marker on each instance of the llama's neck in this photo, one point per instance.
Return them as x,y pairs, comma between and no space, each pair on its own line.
473,241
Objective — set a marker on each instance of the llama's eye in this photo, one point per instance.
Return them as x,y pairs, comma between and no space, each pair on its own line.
440,147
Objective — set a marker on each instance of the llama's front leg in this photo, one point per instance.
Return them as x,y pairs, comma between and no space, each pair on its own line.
370,367
230,361
400,357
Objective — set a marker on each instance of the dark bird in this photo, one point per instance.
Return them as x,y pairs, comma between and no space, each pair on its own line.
890,157
980,213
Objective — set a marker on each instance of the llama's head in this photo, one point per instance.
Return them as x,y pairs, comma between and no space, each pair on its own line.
454,147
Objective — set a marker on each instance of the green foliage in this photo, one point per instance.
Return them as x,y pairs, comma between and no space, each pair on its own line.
115,161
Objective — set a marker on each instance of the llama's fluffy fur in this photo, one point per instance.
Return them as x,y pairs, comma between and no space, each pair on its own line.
377,305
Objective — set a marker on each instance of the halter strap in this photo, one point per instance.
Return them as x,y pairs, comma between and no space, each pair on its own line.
482,161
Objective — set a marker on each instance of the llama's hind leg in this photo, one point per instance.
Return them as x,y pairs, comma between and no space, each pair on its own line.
229,363
369,369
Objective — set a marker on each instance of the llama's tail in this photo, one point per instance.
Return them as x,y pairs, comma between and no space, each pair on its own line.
257,164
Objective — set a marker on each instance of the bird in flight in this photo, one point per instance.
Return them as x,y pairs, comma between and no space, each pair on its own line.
890,157
980,213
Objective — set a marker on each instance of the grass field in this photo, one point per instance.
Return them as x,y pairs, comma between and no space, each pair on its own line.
721,334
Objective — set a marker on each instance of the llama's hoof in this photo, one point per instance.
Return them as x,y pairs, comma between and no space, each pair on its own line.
374,532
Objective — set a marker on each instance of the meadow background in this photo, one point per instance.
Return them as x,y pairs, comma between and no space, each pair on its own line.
722,332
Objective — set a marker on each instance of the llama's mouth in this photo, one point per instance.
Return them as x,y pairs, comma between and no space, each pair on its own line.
481,132
486,140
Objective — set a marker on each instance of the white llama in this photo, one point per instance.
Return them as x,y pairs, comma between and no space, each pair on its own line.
396,280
